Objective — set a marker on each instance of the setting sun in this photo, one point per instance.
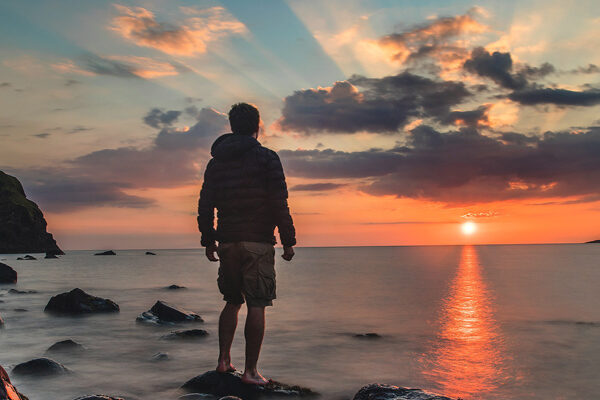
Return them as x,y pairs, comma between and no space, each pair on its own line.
468,228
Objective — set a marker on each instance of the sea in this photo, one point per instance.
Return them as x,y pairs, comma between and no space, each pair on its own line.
475,322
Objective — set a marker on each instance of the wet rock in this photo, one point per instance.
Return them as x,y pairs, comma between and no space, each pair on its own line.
20,258
99,397
7,274
149,253
40,367
186,334
163,313
20,310
50,255
175,287
160,357
376,391
106,253
6,386
230,384
79,302
65,346
28,257
15,291
370,335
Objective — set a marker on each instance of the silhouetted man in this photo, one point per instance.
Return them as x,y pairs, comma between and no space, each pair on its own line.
244,181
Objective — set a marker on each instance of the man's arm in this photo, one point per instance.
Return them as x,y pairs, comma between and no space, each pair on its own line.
278,196
206,213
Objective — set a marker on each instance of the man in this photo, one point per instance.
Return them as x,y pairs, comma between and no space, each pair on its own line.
244,181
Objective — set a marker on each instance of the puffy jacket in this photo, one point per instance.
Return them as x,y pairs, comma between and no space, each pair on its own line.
244,181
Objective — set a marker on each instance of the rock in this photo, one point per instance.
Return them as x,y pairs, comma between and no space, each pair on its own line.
106,253
28,257
376,391
65,346
7,274
162,313
160,357
20,310
15,291
186,334
370,335
20,258
230,384
175,287
7,388
50,255
99,397
78,302
149,253
40,367
198,396
22,224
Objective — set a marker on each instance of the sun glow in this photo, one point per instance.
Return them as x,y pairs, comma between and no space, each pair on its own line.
468,228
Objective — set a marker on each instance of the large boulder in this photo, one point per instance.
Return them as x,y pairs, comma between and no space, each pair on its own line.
65,346
22,224
163,313
79,302
40,367
7,274
7,390
376,391
230,384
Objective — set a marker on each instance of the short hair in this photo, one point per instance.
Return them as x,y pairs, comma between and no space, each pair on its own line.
244,119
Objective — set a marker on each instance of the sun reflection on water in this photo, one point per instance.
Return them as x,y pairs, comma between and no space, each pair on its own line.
466,358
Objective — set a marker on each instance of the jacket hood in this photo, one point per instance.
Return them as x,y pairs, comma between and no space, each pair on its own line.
230,146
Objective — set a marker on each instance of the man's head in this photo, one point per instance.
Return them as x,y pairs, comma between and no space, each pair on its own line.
244,119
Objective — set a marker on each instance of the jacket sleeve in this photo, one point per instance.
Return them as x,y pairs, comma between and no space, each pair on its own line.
206,208
278,196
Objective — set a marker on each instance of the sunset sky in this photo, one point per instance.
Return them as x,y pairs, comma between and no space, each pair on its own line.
396,121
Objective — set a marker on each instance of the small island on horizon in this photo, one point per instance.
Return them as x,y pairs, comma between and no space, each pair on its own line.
594,241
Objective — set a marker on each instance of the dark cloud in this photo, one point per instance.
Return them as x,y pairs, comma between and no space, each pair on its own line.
559,97
158,118
79,128
497,66
464,166
42,135
589,69
383,105
477,117
318,187
103,66
5,84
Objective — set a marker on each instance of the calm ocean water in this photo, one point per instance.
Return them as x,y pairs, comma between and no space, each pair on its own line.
480,322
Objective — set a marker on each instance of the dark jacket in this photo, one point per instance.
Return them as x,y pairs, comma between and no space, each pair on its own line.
244,181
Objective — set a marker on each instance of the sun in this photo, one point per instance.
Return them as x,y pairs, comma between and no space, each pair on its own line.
468,228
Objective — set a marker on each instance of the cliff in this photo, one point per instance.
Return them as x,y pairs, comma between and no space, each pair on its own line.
22,224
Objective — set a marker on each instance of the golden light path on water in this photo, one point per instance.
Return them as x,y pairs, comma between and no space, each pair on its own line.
466,360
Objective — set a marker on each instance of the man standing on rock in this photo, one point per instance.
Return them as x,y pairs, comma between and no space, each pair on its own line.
244,181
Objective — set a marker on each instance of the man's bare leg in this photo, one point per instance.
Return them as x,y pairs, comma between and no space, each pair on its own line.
227,324
254,332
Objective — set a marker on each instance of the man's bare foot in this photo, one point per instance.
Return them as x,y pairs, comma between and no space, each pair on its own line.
225,366
255,379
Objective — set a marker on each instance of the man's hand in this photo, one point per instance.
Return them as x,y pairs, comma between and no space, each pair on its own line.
288,253
210,252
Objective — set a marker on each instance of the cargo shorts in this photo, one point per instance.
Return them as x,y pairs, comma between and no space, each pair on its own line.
247,271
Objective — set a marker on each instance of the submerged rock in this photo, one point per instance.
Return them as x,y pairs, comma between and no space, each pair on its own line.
22,223
78,302
40,367
163,313
160,357
7,388
65,346
29,257
106,253
186,334
7,274
370,335
376,391
15,291
230,384
99,397
175,287
149,253
50,255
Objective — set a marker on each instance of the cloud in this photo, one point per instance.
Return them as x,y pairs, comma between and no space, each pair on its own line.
42,135
384,105
201,27
497,66
589,69
559,97
5,84
102,178
158,118
476,117
464,166
79,128
317,187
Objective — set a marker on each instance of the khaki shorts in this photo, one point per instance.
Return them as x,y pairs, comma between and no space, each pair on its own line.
247,271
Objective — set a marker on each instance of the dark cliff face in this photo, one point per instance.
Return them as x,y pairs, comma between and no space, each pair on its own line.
22,224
